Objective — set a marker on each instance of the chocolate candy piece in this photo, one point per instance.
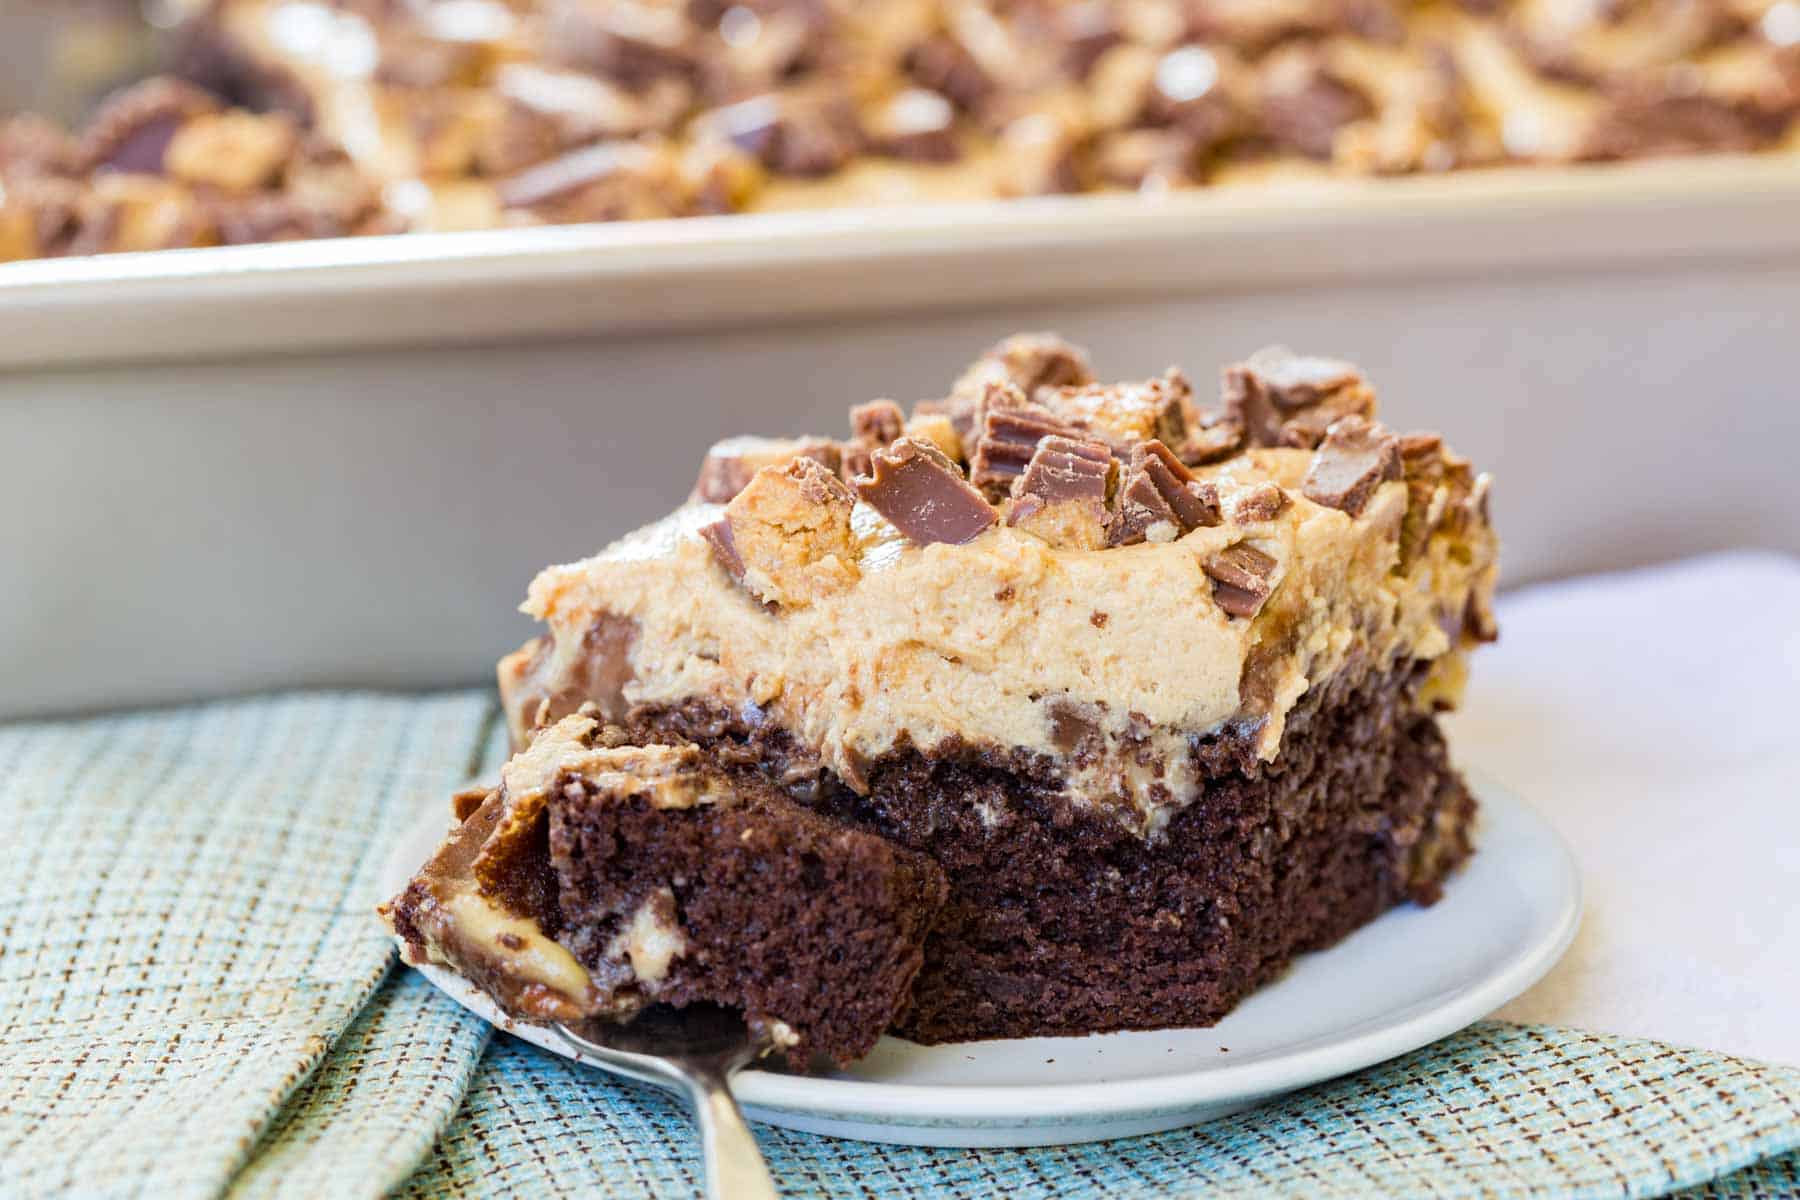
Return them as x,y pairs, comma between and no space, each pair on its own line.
1191,94
1241,577
630,44
1061,497
759,45
944,65
1264,502
732,463
1159,409
1357,457
1646,118
790,132
967,407
873,425
718,535
1160,499
924,495
1216,436
1422,466
877,423
1028,361
1279,398
133,129
1009,438
1303,103
786,536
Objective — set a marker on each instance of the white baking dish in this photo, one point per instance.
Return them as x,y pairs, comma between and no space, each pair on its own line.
340,462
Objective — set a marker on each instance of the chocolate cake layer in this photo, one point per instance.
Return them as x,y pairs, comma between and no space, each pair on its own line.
1059,921
811,928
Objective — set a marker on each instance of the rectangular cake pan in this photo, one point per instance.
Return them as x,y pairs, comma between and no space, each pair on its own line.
340,462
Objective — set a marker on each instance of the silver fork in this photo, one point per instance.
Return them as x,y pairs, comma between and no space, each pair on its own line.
694,1050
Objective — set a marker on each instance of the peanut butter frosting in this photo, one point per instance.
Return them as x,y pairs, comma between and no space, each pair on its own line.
1101,577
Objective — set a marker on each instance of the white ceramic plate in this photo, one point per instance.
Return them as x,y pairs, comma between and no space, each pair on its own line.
1407,979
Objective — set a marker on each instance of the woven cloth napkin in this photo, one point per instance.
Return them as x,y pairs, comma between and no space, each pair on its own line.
196,1001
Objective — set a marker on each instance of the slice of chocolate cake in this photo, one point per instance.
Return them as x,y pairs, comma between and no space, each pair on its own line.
1153,687
601,877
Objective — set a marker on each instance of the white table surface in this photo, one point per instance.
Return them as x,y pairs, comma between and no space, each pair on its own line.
1654,717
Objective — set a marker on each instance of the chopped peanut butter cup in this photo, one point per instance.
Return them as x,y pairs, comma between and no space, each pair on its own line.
924,495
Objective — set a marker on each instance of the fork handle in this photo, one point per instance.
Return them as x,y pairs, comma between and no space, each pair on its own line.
735,1169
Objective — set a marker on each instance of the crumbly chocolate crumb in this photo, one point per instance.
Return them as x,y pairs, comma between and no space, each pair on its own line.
1009,437
1280,398
1263,502
923,494
1062,494
1160,499
1356,457
1241,576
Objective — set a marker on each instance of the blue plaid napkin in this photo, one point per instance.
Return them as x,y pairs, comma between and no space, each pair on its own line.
195,1000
